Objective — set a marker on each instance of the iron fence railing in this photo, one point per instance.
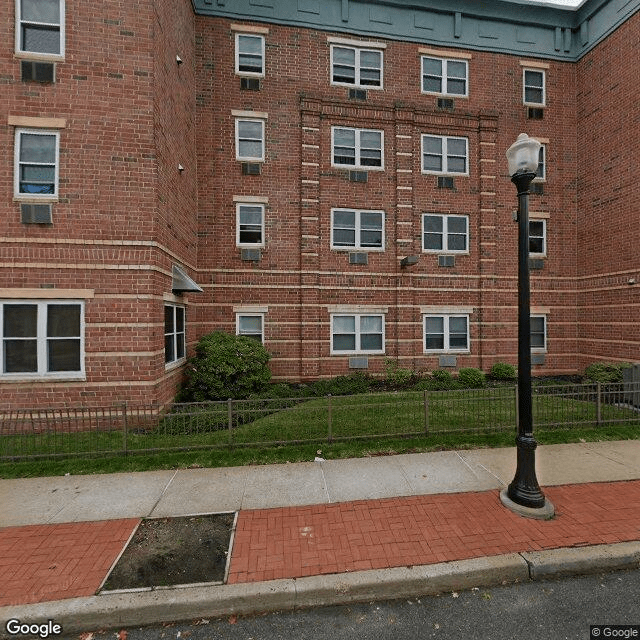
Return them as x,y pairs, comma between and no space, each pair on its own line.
125,429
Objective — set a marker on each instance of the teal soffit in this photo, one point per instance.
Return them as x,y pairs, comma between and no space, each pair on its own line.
519,27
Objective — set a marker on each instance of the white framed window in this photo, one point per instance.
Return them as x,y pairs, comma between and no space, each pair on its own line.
250,325
174,334
249,55
445,233
36,162
445,77
357,148
40,29
356,67
42,338
541,170
357,333
249,224
445,155
533,87
250,140
446,333
538,326
538,237
357,229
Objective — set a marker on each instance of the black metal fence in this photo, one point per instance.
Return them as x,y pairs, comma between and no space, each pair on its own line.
126,429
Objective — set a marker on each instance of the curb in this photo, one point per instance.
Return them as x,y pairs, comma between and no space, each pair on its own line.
187,603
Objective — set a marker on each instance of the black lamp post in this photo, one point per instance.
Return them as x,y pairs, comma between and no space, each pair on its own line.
523,494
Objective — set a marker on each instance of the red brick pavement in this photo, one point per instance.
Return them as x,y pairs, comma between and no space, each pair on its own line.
50,562
372,534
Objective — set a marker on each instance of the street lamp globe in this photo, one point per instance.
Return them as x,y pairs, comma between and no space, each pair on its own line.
523,154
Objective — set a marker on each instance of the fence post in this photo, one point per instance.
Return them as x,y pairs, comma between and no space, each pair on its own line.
598,404
125,430
517,407
329,419
230,418
426,412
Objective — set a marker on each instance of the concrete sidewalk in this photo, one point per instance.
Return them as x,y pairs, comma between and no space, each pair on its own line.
318,532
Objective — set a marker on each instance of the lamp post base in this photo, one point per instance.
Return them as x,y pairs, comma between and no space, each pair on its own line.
546,512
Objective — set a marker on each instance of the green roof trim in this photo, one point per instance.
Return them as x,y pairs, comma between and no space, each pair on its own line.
517,27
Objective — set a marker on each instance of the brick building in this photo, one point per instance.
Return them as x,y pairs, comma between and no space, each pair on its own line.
325,175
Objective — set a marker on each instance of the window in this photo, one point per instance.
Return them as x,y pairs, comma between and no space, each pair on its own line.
250,225
250,325
40,27
441,154
353,229
42,338
541,170
445,77
249,55
533,87
356,67
538,326
355,333
358,148
250,140
174,334
446,333
538,237
448,233
36,164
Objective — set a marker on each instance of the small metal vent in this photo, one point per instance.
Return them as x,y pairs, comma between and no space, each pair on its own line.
38,71
535,113
537,188
250,84
358,94
447,361
35,213
445,103
361,362
250,168
536,264
251,255
446,261
445,182
358,258
537,358
359,176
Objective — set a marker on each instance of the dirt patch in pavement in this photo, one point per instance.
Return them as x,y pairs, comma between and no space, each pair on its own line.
171,551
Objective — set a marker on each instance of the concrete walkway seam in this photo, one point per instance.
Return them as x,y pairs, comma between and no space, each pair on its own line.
188,603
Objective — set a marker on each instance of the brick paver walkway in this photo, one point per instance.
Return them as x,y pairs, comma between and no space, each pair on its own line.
373,534
47,562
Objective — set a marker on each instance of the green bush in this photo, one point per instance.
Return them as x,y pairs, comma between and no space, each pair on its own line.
342,385
605,371
395,376
471,378
503,371
226,366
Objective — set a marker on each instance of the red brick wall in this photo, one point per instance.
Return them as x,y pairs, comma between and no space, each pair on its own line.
608,225
299,275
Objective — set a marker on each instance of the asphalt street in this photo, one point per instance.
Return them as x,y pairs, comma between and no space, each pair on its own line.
561,609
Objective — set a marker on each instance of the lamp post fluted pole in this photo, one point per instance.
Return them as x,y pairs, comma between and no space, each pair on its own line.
524,495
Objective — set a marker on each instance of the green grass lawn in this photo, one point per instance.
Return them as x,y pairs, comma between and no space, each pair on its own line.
267,431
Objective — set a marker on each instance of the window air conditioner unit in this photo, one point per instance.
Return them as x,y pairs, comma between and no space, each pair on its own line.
251,255
535,113
250,168
358,258
358,94
38,71
359,176
445,103
250,84
446,261
35,213
445,182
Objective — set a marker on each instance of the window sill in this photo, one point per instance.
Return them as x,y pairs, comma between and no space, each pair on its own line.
444,174
27,198
9,378
170,366
39,57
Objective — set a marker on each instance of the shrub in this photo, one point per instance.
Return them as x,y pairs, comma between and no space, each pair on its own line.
503,371
471,378
395,376
226,366
342,385
605,371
